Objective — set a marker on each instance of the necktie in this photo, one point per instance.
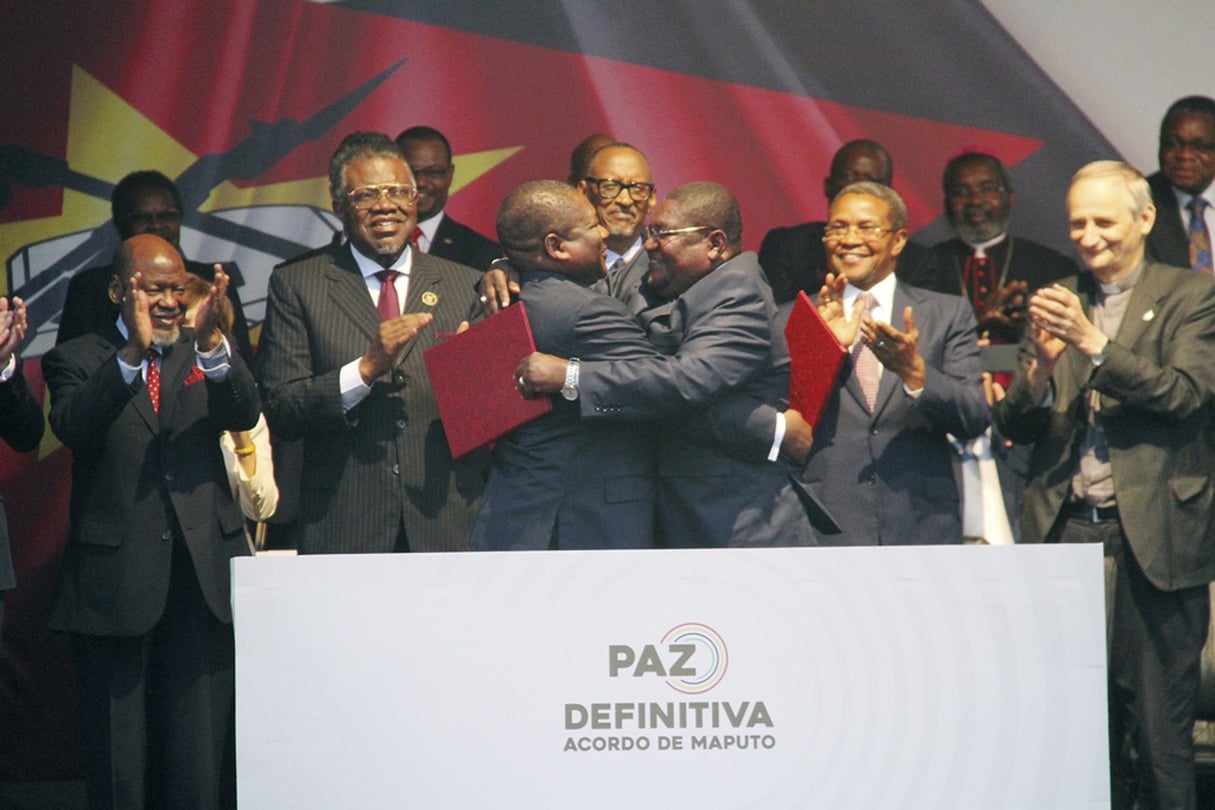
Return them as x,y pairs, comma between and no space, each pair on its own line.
978,275
389,305
414,237
1200,238
868,367
153,379
616,265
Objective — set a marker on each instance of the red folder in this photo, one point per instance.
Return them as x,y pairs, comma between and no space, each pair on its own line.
815,356
472,375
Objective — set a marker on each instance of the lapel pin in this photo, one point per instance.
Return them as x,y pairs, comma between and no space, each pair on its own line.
1147,316
430,299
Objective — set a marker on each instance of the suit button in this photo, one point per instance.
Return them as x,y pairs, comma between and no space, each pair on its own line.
872,431
168,476
396,469
166,535
400,424
398,376
872,481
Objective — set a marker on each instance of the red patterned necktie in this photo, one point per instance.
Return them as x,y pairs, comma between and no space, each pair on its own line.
153,379
979,278
388,305
414,237
868,367
1200,238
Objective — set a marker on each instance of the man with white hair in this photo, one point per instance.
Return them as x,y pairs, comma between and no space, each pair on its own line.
1114,390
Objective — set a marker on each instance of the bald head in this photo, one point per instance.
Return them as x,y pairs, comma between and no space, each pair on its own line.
580,158
548,225
160,274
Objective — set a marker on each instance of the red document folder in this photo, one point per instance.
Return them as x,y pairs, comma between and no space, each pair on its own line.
472,375
816,357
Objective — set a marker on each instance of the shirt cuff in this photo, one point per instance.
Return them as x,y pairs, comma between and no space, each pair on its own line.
916,394
353,389
129,373
774,453
9,368
215,364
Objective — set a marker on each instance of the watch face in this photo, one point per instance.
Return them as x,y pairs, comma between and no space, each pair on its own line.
569,392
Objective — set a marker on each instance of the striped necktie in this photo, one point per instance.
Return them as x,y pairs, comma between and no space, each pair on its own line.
1200,237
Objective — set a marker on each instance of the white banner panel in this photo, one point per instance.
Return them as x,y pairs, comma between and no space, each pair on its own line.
935,677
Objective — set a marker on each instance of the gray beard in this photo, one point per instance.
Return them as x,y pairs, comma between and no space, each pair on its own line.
977,234
163,339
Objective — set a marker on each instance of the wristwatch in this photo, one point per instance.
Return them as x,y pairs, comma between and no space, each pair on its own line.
570,389
1099,358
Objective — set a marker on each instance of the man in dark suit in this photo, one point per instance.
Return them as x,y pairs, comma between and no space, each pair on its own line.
996,272
428,154
561,481
20,417
1114,389
793,257
143,587
1183,190
710,313
142,202
882,462
340,363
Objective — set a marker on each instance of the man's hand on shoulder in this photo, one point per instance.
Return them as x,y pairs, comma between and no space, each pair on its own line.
540,374
499,283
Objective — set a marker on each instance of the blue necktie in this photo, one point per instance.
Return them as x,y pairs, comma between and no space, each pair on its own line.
1200,238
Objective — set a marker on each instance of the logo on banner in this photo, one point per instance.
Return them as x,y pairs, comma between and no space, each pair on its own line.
692,659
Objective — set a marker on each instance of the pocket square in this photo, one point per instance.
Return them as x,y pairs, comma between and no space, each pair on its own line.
195,375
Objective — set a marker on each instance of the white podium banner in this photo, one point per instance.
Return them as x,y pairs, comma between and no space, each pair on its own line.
934,677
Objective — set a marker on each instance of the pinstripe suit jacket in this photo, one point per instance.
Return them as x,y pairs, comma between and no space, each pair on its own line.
386,462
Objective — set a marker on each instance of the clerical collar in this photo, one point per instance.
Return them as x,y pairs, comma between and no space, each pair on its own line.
1125,284
980,248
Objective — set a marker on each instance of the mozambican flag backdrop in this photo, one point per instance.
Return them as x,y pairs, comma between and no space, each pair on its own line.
242,103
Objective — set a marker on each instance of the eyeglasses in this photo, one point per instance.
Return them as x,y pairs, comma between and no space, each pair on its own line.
398,194
659,235
434,173
609,189
145,219
866,230
983,190
1176,145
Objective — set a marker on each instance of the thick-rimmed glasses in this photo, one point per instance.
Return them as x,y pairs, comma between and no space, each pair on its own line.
398,194
609,189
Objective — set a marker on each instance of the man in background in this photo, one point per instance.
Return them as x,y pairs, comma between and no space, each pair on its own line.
1183,191
793,258
428,154
142,202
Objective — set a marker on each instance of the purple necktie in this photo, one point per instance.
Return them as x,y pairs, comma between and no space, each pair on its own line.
388,305
1200,238
868,367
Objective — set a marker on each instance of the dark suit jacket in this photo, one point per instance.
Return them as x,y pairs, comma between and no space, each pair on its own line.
888,477
21,428
1015,259
719,338
1156,395
1169,242
794,259
461,244
88,308
387,460
561,481
138,478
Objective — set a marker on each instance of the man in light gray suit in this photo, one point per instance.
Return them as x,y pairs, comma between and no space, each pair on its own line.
882,462
340,364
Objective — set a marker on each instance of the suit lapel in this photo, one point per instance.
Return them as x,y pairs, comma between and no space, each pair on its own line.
890,381
427,287
175,365
348,291
1140,310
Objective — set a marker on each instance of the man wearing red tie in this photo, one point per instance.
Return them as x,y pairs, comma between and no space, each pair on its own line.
143,586
340,362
